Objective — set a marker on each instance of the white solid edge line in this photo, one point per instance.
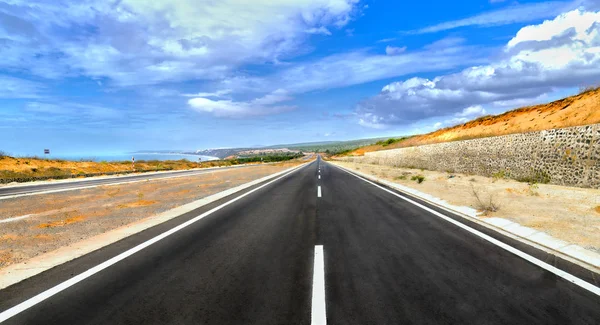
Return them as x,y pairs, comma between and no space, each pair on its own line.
21,194
567,276
318,191
80,277
16,218
318,314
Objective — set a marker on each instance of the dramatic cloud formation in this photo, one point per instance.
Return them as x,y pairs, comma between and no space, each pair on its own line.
559,53
135,42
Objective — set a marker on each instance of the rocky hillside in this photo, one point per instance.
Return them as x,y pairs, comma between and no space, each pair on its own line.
581,109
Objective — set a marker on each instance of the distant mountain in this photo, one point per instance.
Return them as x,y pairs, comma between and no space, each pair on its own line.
218,152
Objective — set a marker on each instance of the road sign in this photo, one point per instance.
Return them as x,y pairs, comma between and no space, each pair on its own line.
46,151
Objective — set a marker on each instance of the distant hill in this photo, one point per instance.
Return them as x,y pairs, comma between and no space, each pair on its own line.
324,146
218,152
581,109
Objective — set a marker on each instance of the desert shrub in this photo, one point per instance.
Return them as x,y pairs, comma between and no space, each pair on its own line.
485,206
537,177
3,154
533,189
587,89
499,175
418,178
401,177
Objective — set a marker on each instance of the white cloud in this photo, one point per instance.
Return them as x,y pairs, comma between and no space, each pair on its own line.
472,111
135,42
509,15
392,50
353,68
218,93
320,30
239,109
561,53
11,87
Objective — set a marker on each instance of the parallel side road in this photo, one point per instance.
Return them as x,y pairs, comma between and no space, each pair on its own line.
68,185
379,260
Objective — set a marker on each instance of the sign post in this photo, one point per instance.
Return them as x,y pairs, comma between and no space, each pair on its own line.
133,163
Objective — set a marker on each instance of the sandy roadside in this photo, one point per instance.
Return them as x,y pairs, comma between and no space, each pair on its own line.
44,223
567,213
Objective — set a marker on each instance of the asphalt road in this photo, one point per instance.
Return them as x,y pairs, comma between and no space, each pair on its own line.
386,261
66,185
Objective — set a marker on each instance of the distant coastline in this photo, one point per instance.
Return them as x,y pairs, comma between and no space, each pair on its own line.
139,156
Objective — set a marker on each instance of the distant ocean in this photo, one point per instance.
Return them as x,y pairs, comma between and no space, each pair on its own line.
138,157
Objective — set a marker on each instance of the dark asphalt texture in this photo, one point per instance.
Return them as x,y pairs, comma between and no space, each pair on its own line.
386,262
42,187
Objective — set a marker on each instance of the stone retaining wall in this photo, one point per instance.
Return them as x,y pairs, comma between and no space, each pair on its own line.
569,156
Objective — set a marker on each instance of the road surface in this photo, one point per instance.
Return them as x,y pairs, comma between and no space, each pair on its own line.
43,187
317,245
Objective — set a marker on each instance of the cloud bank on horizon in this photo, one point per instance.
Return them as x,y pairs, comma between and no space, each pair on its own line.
135,74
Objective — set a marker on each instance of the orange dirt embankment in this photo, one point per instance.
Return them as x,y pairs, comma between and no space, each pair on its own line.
581,109
37,168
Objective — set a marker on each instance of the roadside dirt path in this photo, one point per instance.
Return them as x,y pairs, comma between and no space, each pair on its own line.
33,225
568,213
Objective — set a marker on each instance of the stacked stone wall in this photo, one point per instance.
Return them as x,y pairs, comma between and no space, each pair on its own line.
569,156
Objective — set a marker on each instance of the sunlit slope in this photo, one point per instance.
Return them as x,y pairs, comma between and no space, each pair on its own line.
581,109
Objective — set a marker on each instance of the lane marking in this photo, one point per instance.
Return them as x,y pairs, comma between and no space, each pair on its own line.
318,191
80,277
567,276
318,314
319,176
16,218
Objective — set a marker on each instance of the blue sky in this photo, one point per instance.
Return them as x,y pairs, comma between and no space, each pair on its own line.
95,77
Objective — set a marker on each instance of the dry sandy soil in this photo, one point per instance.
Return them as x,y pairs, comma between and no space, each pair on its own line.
60,219
567,213
11,168
581,109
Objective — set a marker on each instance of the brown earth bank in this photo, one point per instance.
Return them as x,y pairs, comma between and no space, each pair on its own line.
23,169
581,109
29,169
60,219
567,213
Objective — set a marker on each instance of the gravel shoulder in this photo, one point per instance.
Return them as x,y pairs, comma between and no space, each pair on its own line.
34,225
567,213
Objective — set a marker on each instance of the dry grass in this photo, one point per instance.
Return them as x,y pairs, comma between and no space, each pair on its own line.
597,209
485,206
61,223
138,203
25,169
581,109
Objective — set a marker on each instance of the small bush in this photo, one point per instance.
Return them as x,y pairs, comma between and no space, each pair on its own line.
533,189
418,178
499,175
401,177
587,89
485,206
3,154
537,177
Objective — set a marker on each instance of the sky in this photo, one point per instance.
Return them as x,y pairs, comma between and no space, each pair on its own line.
91,77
